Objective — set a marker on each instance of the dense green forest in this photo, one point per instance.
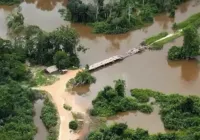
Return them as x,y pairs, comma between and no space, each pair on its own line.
122,132
16,112
9,2
118,16
58,47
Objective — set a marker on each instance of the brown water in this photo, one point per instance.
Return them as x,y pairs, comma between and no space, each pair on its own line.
41,130
148,70
149,122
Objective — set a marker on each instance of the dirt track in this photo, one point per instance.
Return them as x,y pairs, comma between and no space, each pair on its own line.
61,96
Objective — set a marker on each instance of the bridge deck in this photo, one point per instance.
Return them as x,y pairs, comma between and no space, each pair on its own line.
105,62
115,58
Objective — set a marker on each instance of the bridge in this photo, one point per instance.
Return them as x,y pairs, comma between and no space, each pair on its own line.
116,58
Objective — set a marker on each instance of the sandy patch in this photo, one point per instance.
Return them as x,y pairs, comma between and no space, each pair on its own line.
61,96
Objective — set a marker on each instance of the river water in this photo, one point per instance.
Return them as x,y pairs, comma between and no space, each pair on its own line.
41,130
150,69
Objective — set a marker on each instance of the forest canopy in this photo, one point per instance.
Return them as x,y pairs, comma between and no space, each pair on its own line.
16,112
117,16
41,47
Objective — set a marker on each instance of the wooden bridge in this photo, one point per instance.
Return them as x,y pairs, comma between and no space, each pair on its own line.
116,58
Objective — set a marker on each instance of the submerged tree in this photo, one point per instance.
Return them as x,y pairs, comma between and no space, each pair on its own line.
82,78
120,87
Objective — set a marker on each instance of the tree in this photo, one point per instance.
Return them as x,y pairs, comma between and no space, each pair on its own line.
120,87
81,78
73,125
187,105
191,42
175,53
15,21
61,60
190,47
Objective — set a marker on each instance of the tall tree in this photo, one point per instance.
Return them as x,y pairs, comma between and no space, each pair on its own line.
120,87
191,42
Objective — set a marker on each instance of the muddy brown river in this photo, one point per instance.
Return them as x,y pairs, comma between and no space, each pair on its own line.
150,69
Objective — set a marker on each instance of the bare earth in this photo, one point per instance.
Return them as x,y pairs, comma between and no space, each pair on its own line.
61,96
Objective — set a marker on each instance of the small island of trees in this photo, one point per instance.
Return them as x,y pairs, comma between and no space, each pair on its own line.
82,78
111,101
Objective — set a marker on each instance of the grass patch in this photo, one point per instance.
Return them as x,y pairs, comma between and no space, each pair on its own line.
40,78
152,39
159,44
192,20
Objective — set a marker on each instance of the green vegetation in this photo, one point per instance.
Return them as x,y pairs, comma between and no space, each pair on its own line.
175,53
50,118
9,2
16,112
61,60
40,78
193,20
82,78
73,125
190,48
67,107
157,45
122,132
177,112
12,63
111,101
152,39
57,47
117,16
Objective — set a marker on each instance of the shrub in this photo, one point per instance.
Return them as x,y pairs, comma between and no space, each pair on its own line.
145,108
174,53
141,97
50,118
73,125
81,78
67,107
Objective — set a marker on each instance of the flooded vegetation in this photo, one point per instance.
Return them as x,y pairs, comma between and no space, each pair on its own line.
151,122
149,70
